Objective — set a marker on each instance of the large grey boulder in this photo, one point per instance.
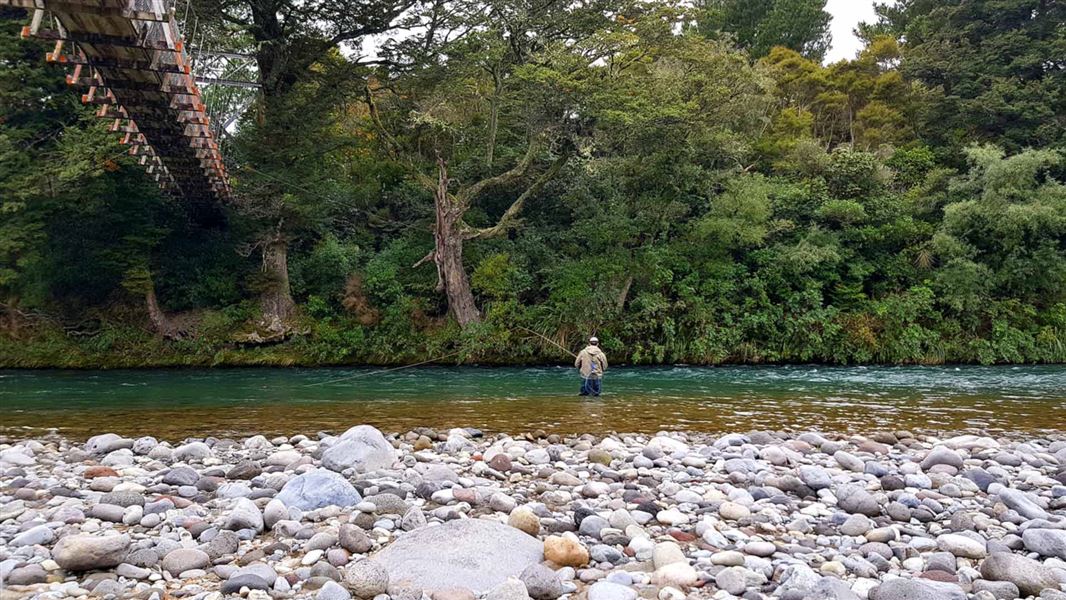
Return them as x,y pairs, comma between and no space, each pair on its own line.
1021,502
856,500
318,488
1030,576
88,552
1046,542
913,589
471,553
245,515
361,448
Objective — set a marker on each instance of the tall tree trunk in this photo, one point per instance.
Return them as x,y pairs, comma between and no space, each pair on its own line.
449,259
11,327
851,125
161,323
620,302
276,301
447,253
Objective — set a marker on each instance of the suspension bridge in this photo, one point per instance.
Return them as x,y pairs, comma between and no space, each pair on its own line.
135,65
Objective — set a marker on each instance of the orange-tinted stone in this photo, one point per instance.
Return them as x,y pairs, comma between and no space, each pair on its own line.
99,471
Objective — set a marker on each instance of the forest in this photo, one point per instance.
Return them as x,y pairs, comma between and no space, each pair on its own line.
454,179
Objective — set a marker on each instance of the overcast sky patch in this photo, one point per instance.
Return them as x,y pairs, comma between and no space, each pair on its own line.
847,14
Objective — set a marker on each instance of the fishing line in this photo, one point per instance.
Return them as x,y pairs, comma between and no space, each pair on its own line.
549,340
360,375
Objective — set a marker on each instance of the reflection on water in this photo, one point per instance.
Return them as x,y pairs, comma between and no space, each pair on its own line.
174,404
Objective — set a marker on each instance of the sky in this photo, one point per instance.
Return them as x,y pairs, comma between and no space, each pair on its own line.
846,15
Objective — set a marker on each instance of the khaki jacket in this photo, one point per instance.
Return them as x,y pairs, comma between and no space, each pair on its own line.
592,362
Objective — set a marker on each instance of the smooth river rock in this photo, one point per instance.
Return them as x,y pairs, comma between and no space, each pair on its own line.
362,448
1021,502
1030,576
88,552
318,488
245,515
185,559
913,589
471,553
1046,542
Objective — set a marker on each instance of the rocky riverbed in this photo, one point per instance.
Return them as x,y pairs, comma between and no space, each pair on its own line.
458,515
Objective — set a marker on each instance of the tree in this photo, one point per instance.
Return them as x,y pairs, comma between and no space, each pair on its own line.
1004,236
864,102
292,182
760,25
452,202
996,66
34,110
291,41
567,166
534,63
674,119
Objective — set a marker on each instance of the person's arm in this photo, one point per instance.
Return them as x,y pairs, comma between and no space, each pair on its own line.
577,361
604,361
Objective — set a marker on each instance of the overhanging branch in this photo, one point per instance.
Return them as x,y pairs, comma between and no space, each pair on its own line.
509,219
518,171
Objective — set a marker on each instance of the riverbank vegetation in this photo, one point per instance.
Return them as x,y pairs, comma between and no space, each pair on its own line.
690,183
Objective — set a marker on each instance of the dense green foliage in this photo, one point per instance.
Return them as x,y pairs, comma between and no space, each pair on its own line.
690,184
759,25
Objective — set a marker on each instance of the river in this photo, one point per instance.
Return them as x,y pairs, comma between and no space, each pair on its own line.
174,404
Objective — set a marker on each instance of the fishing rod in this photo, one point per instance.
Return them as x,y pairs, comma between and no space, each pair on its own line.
548,339
360,375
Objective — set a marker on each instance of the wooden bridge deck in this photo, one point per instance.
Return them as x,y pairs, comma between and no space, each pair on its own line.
131,57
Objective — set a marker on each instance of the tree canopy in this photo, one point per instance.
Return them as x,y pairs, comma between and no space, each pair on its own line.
995,68
758,26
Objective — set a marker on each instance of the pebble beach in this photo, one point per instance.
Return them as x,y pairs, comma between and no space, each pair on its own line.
451,515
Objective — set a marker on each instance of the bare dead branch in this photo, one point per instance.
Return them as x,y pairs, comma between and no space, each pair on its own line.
471,193
509,219
425,259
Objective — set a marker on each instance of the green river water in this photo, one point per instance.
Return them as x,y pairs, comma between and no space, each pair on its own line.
174,404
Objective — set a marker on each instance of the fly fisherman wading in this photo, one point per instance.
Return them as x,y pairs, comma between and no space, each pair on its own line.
593,363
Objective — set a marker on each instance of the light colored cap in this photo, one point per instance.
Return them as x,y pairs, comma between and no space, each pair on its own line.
594,340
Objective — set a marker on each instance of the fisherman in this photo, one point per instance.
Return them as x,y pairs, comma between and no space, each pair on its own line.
592,362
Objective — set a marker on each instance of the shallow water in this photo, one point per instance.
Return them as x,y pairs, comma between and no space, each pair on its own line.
174,404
